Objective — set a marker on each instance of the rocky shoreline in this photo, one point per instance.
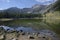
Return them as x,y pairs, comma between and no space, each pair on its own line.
10,34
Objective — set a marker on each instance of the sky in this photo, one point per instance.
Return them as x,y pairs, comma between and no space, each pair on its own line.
4,4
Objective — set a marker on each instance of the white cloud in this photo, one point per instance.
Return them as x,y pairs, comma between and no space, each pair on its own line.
1,8
5,1
43,0
46,1
8,0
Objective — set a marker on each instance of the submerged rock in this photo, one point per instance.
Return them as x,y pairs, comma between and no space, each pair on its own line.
48,32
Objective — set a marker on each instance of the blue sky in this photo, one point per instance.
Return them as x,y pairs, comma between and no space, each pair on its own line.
4,4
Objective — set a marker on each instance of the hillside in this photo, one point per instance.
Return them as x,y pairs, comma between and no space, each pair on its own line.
54,11
15,12
52,16
53,7
56,5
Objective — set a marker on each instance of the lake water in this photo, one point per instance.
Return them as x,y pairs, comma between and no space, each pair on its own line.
37,24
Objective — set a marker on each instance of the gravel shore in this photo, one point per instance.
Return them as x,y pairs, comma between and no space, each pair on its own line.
25,35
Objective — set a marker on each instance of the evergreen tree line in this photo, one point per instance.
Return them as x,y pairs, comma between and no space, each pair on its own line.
19,15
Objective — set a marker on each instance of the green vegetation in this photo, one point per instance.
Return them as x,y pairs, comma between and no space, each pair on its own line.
52,19
19,15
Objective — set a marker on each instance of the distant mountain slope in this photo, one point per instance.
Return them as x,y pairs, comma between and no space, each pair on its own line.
35,9
56,5
38,8
13,10
53,7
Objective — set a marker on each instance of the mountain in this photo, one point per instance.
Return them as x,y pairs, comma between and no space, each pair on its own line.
38,8
34,9
52,7
27,10
13,10
56,5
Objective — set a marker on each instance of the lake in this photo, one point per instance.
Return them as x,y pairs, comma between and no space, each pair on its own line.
37,24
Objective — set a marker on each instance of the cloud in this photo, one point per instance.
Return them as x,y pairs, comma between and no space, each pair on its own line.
8,0
5,1
43,0
46,1
1,8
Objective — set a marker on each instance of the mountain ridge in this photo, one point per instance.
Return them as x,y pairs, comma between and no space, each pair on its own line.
34,9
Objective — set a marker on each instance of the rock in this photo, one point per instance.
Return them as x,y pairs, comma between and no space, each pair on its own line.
40,35
1,37
10,36
21,30
48,33
28,33
23,33
31,37
14,39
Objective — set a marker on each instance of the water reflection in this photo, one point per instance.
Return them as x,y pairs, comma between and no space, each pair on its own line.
25,24
29,30
18,29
